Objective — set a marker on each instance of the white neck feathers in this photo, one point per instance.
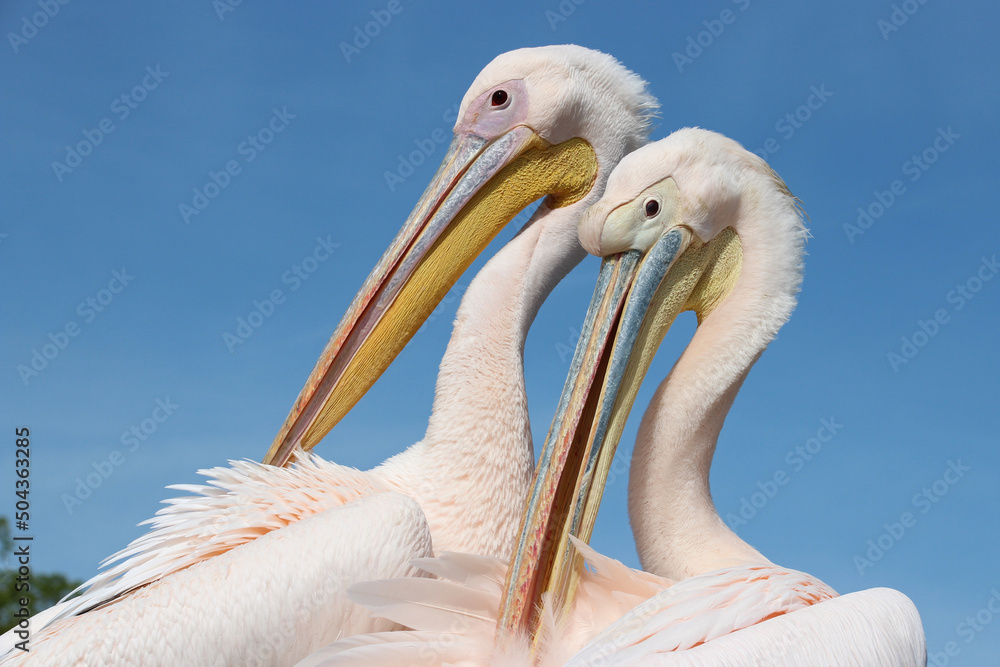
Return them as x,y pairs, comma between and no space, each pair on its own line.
472,470
677,529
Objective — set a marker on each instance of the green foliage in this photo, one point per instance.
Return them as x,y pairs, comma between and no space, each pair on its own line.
46,589
6,541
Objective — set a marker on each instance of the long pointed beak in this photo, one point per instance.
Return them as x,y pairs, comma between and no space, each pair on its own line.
539,527
611,360
479,187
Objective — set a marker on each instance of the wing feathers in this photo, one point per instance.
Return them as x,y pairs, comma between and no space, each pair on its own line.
431,605
480,572
237,505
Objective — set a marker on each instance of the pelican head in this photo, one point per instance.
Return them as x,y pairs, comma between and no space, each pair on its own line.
544,122
560,93
691,222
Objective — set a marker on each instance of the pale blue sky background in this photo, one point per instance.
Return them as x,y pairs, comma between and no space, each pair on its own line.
324,176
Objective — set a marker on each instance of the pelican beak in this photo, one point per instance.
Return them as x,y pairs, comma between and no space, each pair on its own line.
638,296
479,187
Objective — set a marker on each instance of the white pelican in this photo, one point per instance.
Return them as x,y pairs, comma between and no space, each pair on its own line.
253,566
692,222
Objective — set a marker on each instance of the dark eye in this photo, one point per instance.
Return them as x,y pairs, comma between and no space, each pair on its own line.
652,208
499,98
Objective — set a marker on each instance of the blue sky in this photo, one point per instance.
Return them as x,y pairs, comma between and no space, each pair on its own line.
199,81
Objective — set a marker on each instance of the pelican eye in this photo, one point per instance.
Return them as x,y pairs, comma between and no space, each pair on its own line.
499,99
652,208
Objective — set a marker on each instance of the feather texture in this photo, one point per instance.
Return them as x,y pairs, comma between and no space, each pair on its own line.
703,608
478,572
402,648
878,626
240,608
661,616
237,505
429,604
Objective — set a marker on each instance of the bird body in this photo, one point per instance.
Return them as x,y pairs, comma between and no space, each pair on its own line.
260,542
717,232
620,614
718,193
282,612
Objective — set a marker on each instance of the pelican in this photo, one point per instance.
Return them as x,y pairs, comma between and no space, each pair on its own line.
252,567
692,222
